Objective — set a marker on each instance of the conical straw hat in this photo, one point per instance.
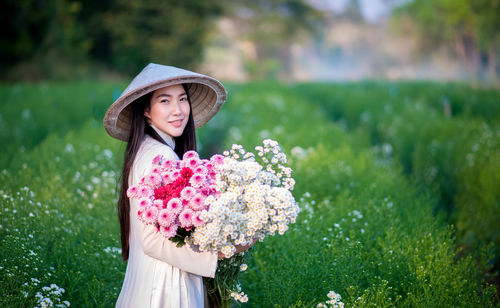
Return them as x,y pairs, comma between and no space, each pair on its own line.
206,93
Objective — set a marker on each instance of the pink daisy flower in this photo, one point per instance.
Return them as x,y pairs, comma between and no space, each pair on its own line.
157,159
197,221
197,203
132,192
217,159
212,175
141,210
156,170
174,175
158,204
145,202
190,154
145,192
192,162
166,218
187,192
197,180
153,180
168,165
186,218
169,231
201,170
150,215
174,205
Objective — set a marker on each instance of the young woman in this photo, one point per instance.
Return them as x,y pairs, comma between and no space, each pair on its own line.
157,114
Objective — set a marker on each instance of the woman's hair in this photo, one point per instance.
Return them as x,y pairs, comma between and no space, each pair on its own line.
138,129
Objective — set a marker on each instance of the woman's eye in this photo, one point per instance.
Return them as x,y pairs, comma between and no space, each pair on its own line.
183,99
164,101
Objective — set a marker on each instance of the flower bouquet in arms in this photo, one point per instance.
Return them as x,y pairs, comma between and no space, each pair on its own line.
232,199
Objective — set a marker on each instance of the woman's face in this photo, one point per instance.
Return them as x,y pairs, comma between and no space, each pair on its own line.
169,110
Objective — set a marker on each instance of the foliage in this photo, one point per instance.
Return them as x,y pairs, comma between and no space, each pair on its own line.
469,28
451,151
365,231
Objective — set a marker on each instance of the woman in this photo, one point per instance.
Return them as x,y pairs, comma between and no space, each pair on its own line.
157,114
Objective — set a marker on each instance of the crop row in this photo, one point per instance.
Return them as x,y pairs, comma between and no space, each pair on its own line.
365,231
444,136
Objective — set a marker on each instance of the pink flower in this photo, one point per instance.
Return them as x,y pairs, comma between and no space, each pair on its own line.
190,154
186,218
145,202
169,231
145,192
157,159
153,180
217,159
212,175
192,162
141,210
187,192
174,205
197,180
197,221
174,175
166,218
201,170
197,203
158,204
156,170
132,192
168,164
150,215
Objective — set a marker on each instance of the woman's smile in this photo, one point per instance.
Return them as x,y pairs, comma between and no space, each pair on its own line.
169,110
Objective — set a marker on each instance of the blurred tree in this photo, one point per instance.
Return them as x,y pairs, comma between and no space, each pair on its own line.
165,31
273,25
469,28
35,28
120,34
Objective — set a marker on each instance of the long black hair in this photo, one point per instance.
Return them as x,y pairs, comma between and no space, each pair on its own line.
138,130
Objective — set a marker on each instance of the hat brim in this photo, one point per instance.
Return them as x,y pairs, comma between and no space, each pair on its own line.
207,96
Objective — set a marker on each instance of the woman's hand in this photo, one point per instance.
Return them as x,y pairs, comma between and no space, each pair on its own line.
239,249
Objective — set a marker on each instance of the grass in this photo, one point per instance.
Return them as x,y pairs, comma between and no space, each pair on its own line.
366,231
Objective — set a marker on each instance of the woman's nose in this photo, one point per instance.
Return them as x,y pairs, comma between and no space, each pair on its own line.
177,107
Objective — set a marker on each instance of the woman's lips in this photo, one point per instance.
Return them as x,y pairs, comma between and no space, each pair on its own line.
176,123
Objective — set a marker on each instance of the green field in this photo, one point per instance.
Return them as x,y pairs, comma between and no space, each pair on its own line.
399,194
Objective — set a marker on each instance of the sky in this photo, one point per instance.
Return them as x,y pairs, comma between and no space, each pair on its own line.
372,10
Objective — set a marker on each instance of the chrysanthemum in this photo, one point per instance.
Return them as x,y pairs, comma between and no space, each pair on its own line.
186,218
166,218
217,159
145,202
197,202
190,154
201,170
168,165
150,215
197,180
187,192
157,159
174,205
132,192
197,221
192,162
153,180
169,231
144,192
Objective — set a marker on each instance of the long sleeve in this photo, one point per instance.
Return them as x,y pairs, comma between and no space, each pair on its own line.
155,245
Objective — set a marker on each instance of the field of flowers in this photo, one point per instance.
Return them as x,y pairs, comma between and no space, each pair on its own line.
370,227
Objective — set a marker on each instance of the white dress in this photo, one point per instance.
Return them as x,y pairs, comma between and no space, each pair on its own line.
159,274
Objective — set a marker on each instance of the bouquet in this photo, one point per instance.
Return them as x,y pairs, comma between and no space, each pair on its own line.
172,195
216,204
